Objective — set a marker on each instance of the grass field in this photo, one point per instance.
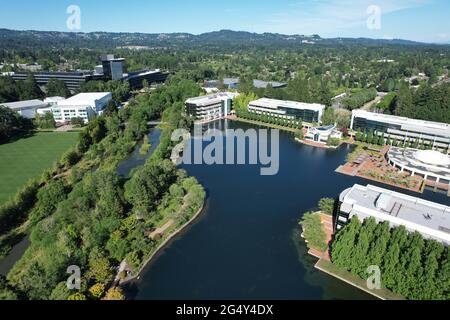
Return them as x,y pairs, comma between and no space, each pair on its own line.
29,157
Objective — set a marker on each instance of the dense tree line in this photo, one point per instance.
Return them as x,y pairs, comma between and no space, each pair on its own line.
12,123
120,89
359,98
326,68
93,218
11,91
428,102
410,265
313,231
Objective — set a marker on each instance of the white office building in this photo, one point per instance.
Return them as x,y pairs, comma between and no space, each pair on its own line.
308,112
83,105
211,107
404,129
26,109
429,164
322,134
431,220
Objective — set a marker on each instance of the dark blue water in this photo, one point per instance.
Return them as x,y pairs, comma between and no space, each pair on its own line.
247,245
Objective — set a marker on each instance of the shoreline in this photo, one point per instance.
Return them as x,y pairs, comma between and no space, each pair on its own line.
350,279
325,265
146,263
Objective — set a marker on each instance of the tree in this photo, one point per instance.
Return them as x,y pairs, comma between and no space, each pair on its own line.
111,108
299,134
48,198
29,89
77,297
114,293
242,101
326,205
97,291
404,101
144,189
77,122
70,158
47,121
100,268
57,88
329,117
246,85
11,123
298,89
344,245
6,291
61,292
313,231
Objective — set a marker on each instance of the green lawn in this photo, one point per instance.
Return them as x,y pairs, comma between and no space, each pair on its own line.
28,158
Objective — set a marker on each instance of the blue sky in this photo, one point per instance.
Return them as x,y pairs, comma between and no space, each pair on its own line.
421,20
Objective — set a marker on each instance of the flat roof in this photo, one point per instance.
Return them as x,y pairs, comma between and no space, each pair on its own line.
85,97
275,104
429,218
26,104
212,98
431,127
260,84
414,159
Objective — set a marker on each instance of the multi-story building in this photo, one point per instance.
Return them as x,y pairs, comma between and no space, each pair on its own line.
72,80
307,112
112,67
431,220
136,79
210,107
409,130
83,105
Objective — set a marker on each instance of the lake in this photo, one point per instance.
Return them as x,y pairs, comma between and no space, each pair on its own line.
247,244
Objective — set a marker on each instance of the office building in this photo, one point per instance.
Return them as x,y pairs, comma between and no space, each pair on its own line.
112,67
210,107
431,220
322,134
26,109
434,134
83,105
136,79
429,164
233,83
308,112
72,80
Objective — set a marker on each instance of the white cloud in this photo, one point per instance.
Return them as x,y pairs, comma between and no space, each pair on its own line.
329,17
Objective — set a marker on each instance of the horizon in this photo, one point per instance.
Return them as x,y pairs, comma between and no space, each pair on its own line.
418,20
236,31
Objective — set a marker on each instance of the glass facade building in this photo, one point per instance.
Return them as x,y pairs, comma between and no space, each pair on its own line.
307,112
405,129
